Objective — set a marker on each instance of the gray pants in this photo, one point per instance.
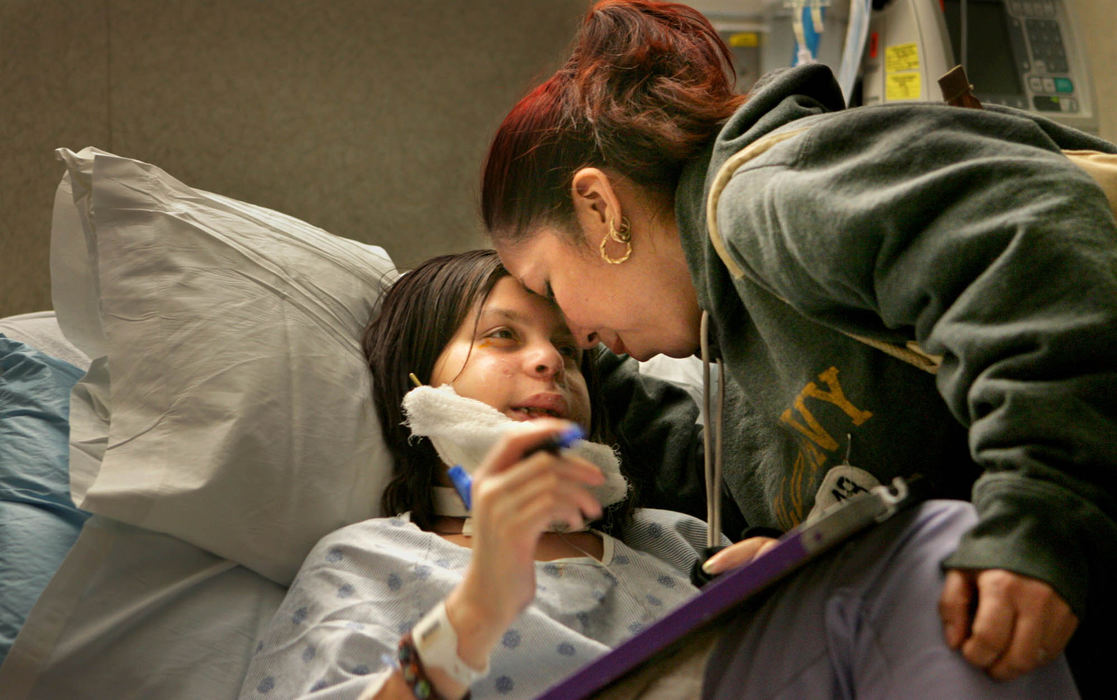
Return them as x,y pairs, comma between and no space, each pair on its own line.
863,622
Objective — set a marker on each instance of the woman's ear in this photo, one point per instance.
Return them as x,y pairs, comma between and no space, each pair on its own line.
595,201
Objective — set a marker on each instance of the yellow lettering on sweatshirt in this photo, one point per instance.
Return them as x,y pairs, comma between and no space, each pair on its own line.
797,487
813,429
833,395
810,461
836,396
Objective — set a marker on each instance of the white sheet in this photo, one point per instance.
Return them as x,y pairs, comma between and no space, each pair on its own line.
137,614
40,330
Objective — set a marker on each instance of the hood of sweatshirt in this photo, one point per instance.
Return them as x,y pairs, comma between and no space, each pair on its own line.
778,98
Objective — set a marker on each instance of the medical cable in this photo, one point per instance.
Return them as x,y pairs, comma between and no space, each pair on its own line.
712,467
963,32
803,52
711,442
816,17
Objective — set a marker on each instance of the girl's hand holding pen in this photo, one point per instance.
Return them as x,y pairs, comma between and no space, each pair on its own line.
517,494
464,484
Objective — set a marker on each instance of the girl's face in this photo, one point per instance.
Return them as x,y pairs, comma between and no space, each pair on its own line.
518,356
643,307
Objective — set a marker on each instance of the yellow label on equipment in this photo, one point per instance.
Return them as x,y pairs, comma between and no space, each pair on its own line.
901,86
748,40
901,57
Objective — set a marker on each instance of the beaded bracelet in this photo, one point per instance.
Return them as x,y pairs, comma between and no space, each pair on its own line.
411,666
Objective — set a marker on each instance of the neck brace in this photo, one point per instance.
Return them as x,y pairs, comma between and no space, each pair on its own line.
463,430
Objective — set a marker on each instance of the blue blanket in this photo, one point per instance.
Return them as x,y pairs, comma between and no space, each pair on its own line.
38,520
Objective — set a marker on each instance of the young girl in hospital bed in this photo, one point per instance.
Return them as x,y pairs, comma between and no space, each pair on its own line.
508,597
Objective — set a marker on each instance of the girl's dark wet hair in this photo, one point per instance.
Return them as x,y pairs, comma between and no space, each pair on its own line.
646,86
419,315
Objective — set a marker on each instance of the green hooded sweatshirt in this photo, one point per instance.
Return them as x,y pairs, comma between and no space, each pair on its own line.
965,230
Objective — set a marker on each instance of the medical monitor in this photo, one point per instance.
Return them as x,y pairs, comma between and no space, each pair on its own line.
1025,54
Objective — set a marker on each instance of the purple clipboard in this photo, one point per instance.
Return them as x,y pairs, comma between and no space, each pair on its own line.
794,549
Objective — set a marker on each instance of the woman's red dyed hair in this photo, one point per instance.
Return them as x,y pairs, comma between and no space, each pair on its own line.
646,86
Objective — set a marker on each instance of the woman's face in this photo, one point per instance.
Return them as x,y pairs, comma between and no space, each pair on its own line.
518,356
643,307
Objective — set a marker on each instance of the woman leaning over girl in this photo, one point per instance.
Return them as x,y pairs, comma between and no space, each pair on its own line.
649,201
510,596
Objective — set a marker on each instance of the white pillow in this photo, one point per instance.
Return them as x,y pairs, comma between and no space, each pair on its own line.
228,402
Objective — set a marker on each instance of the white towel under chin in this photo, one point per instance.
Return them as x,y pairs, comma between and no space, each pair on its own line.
463,430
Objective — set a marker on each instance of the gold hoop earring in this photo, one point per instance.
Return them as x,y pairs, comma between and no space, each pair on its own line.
620,235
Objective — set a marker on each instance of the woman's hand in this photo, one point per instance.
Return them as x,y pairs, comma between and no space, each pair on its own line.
515,500
1017,625
738,553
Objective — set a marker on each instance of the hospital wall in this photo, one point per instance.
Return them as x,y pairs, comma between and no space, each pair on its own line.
368,118
1097,20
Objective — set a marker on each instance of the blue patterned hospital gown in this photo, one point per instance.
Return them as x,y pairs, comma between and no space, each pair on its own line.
365,585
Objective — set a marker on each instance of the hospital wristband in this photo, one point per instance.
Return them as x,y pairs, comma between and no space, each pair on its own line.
436,641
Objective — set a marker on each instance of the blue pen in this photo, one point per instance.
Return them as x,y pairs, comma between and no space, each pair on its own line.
464,484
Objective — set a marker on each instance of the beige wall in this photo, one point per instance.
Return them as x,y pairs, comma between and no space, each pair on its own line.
1097,20
368,118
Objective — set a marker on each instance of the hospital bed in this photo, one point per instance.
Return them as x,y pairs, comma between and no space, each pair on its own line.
200,391
177,432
